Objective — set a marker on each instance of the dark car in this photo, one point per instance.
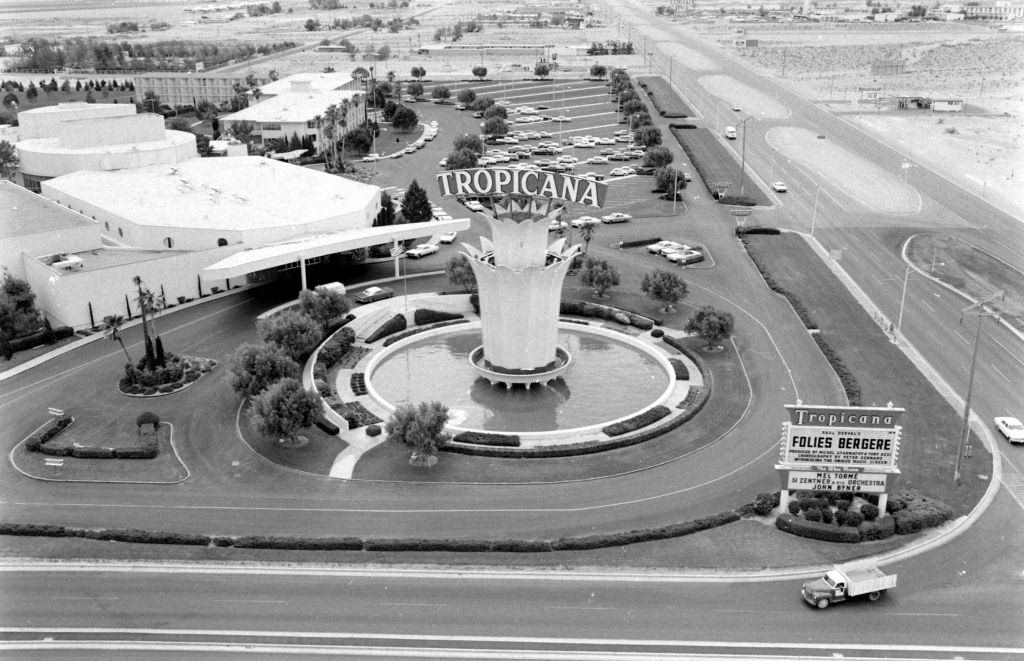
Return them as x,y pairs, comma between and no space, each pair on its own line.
641,169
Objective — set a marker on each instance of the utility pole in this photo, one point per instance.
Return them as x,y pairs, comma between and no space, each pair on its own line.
980,310
743,150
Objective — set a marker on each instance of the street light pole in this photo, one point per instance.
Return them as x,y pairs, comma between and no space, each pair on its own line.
979,310
903,299
814,214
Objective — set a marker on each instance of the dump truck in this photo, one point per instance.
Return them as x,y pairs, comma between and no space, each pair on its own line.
841,583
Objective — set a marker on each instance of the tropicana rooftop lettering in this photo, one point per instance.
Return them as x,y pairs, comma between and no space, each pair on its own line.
502,181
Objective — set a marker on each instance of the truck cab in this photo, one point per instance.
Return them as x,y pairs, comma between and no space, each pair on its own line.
730,132
841,583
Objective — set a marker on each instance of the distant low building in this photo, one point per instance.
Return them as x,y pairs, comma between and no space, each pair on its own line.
310,82
996,11
947,105
189,88
293,113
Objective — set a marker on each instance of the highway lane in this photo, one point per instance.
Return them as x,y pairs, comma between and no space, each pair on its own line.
965,599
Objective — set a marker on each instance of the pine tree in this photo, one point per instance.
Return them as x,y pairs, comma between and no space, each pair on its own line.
415,204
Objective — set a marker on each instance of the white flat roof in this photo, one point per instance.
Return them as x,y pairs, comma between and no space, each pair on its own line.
56,146
314,81
241,193
291,107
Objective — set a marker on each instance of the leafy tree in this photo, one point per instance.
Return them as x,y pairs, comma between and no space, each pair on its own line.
482,103
323,305
496,111
11,100
541,70
8,160
470,142
441,94
462,159
312,25
599,274
415,204
242,131
460,273
657,157
711,325
418,73
640,120
111,330
414,89
18,313
421,427
598,71
404,119
466,96
495,126
669,180
32,92
360,73
283,409
663,286
273,74
480,72
293,330
648,136
390,108
255,367
90,97
633,106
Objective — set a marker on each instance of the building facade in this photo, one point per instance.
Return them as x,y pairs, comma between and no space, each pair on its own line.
189,88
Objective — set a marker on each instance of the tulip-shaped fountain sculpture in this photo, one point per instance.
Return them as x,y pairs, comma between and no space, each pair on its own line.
519,278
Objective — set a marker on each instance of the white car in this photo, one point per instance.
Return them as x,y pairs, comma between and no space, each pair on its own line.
583,221
622,172
1011,428
421,250
369,158
779,186
665,247
442,163
448,237
557,225
617,217
410,150
561,119
473,205
684,257
598,160
606,141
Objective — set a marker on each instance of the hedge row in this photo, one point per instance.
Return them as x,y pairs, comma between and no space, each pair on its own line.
740,231
391,326
679,367
846,377
664,98
419,329
640,242
738,200
335,348
287,542
424,316
356,414
914,512
608,313
798,307
45,336
648,417
698,165
815,530
485,438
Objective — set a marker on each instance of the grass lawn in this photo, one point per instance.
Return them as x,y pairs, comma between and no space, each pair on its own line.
317,456
930,426
165,468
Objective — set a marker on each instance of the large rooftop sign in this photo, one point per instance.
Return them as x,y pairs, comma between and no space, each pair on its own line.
505,181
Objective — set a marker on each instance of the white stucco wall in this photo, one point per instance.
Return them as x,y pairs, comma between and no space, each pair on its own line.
66,239
45,122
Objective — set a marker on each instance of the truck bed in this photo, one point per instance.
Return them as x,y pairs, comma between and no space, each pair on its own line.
867,579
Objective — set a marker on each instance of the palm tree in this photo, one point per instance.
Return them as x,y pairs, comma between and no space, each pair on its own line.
111,330
586,233
343,117
319,133
149,304
391,84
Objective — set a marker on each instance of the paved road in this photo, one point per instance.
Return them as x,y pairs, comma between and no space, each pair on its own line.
962,601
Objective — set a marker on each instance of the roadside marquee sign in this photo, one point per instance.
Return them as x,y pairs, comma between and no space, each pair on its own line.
505,181
836,481
741,212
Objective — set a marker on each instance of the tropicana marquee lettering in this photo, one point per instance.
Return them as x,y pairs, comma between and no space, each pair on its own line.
502,181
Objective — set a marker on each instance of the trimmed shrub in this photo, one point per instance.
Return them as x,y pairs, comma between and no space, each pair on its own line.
648,417
877,529
854,519
640,242
813,514
326,425
794,507
398,337
764,503
423,316
90,452
925,513
740,231
826,515
679,367
842,504
393,325
657,332
813,530
869,511
840,517
483,438
373,430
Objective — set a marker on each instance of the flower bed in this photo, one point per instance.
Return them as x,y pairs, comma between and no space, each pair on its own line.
179,373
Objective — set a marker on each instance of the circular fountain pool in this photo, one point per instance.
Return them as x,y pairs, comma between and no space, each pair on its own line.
611,377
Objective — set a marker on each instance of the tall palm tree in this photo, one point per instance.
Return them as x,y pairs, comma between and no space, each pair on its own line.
111,330
331,120
149,304
319,133
343,116
586,233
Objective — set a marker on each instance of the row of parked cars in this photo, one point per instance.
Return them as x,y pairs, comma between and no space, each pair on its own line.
429,133
676,252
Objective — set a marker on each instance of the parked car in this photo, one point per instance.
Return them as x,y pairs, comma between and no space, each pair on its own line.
617,217
478,115
410,150
622,172
369,158
421,250
597,160
674,247
1011,428
643,169
557,225
687,176
779,186
371,294
448,237
460,106
585,220
684,257
657,247
474,205
561,119
442,163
